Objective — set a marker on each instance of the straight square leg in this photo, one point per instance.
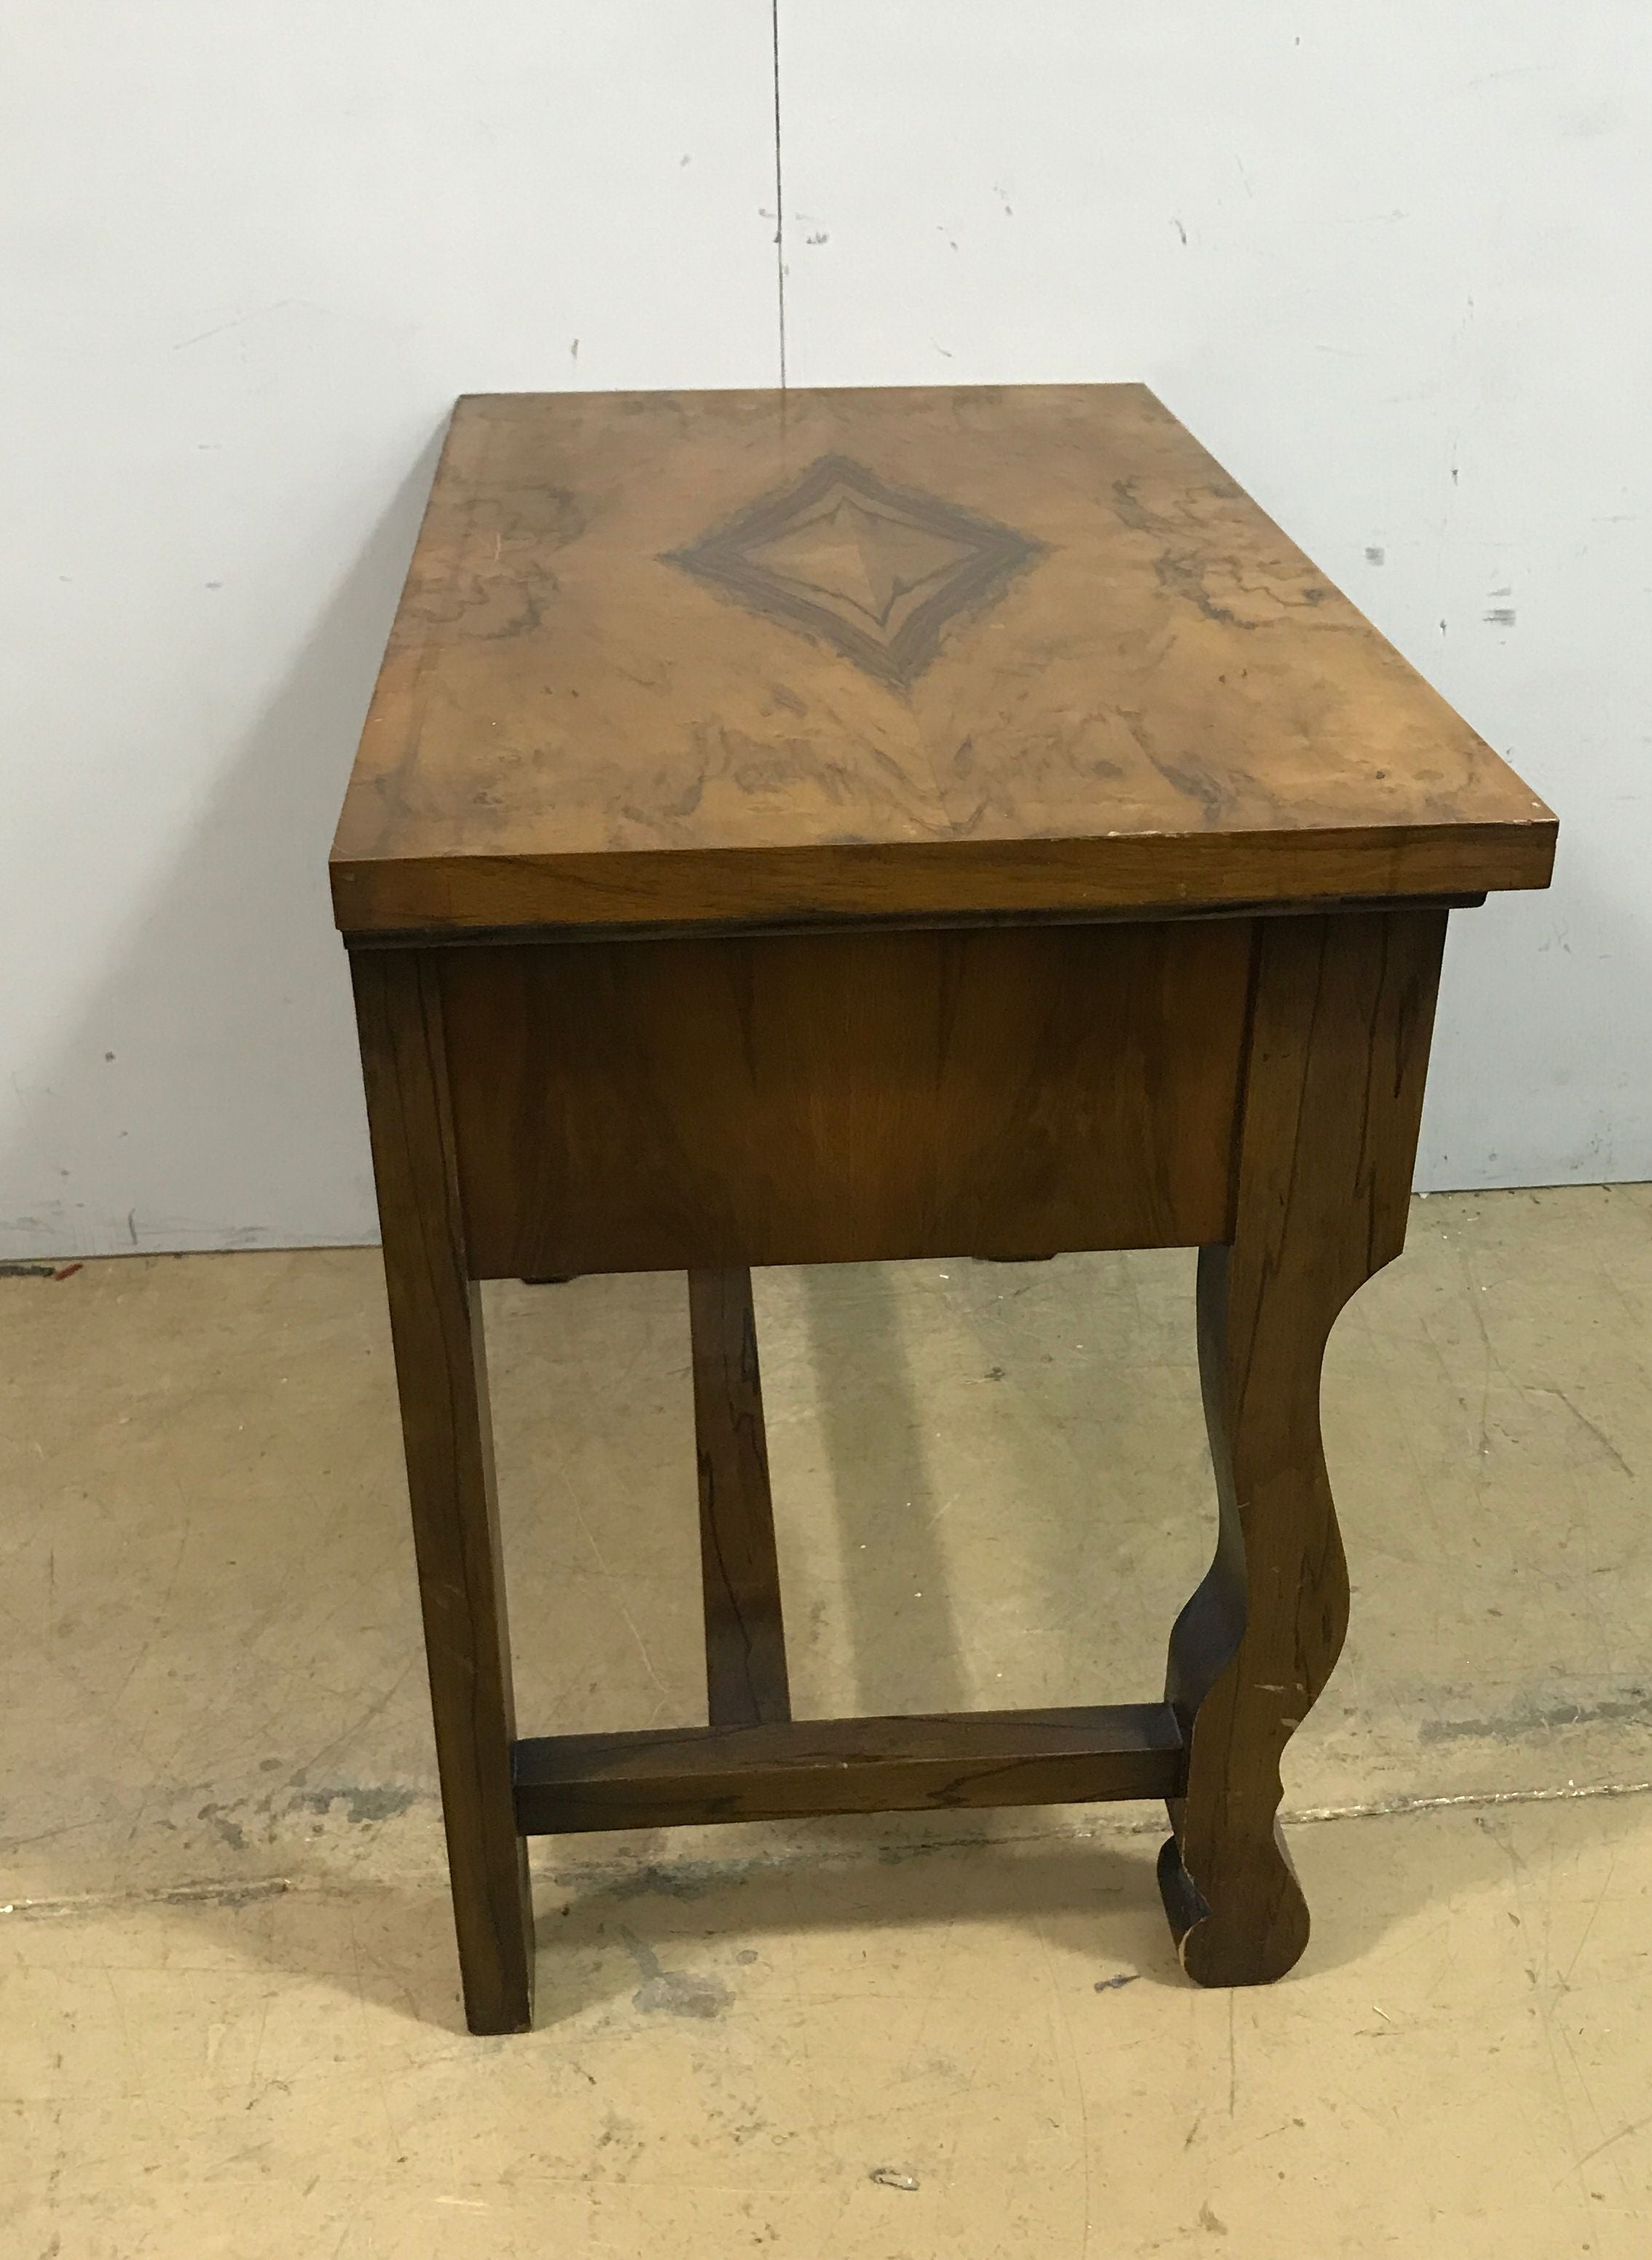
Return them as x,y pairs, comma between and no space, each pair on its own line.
746,1682
435,1324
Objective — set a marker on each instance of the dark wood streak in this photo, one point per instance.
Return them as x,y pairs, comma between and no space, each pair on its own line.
1339,1045
744,1634
993,555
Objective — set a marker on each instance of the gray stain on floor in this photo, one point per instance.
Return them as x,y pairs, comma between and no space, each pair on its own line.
677,1993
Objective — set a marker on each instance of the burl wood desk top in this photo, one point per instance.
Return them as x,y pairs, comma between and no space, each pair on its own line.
746,657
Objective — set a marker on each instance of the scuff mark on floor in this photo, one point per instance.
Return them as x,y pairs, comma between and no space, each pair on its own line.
676,1992
690,1880
1636,1708
361,1803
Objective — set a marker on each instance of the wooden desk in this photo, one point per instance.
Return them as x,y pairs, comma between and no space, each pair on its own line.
875,823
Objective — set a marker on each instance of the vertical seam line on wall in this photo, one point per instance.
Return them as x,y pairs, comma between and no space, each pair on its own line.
780,200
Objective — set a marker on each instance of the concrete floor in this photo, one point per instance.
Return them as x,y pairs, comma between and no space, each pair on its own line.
228,2013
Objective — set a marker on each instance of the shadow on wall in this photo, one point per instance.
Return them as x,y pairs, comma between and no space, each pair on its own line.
219,1046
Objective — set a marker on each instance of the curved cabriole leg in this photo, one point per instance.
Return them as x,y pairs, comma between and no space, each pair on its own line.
1255,1645
1343,1011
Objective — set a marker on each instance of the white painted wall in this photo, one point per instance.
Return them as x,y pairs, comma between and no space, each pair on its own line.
1389,264
248,255
1393,265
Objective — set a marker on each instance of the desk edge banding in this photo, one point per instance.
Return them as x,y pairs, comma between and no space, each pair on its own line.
1142,876
824,923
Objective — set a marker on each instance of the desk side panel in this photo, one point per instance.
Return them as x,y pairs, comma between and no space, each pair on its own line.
669,1106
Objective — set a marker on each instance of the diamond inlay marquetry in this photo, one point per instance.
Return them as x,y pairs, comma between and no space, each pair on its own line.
879,572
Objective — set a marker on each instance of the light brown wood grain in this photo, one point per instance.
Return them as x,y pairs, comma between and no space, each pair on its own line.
1163,704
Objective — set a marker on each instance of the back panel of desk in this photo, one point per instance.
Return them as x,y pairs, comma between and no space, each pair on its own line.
828,1097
